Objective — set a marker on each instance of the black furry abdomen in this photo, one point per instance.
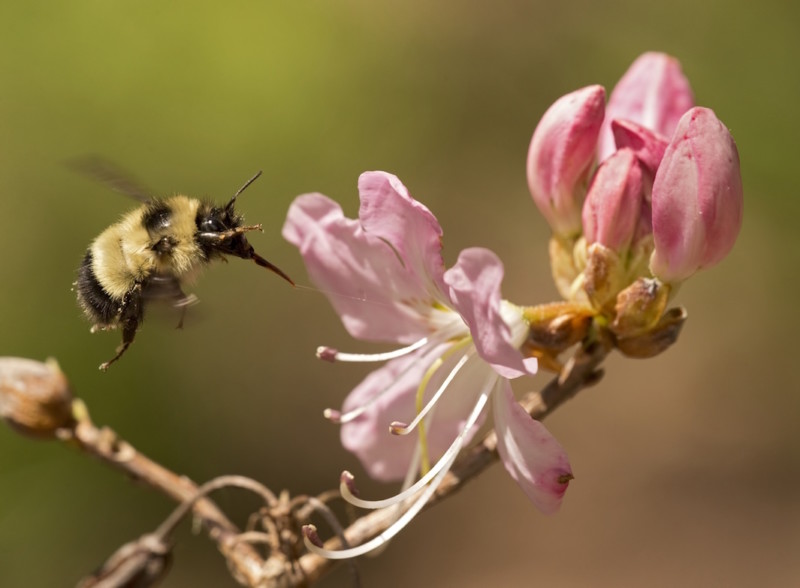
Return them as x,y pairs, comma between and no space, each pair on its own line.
95,301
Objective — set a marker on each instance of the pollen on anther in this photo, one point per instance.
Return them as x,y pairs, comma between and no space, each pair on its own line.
332,415
398,428
327,353
310,533
347,480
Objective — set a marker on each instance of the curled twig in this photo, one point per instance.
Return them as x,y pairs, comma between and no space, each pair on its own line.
145,561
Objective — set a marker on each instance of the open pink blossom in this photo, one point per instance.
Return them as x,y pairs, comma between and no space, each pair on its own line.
385,276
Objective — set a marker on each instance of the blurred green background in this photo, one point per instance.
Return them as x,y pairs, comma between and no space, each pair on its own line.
687,466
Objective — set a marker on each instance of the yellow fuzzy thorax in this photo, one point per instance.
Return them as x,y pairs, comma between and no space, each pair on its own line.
123,253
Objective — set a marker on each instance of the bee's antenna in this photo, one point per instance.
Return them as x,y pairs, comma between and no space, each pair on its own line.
230,204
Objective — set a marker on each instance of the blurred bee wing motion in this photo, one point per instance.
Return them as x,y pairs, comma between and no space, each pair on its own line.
112,175
167,289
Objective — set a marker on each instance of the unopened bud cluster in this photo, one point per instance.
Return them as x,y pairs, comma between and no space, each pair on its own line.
640,193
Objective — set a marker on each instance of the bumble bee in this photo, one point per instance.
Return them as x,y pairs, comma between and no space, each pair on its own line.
152,251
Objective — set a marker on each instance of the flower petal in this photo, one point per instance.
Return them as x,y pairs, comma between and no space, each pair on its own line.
474,284
389,212
379,294
648,145
530,454
386,456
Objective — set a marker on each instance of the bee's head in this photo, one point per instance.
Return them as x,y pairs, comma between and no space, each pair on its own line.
220,230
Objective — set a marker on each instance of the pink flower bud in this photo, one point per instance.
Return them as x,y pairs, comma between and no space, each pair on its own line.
648,145
613,203
697,198
561,153
653,93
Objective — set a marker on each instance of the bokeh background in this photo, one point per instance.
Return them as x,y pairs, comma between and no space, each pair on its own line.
687,466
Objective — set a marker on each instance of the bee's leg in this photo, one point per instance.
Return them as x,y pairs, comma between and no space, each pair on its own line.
130,318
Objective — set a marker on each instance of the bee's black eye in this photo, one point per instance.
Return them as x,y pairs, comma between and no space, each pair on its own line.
211,225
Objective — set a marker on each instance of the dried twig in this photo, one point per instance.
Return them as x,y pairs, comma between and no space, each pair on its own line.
149,554
246,563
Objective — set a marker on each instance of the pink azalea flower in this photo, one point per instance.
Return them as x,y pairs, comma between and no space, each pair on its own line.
385,276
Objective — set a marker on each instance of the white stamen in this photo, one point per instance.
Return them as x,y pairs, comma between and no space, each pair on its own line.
454,329
398,428
342,418
413,467
444,462
330,354
393,530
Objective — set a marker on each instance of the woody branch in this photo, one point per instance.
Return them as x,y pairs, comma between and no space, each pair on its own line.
35,400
